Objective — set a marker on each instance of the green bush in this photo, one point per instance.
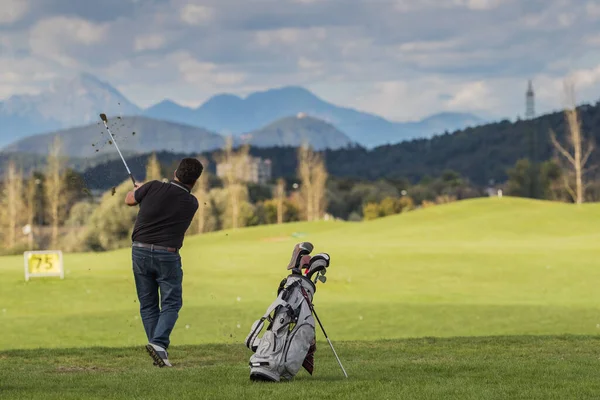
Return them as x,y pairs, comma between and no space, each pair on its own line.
111,224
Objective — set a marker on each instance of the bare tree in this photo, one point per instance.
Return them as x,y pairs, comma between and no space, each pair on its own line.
305,156
30,206
319,180
313,174
55,187
235,165
280,195
13,204
201,193
153,169
576,157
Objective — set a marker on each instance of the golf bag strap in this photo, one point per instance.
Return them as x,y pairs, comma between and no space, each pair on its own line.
259,325
305,295
273,306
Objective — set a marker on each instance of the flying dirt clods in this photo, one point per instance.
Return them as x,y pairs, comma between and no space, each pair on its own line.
113,190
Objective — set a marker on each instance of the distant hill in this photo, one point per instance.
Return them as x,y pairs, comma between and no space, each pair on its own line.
66,103
133,135
293,131
231,114
138,135
481,154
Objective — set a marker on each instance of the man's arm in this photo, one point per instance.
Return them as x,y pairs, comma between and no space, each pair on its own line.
130,198
136,196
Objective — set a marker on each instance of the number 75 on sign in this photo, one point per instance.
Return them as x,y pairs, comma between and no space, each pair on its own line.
43,263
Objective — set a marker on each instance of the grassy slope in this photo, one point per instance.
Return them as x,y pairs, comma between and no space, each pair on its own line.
475,268
481,267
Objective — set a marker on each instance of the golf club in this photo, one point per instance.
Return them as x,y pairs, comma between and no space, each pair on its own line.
105,120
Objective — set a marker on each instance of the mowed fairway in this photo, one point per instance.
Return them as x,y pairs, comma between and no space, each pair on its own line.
481,276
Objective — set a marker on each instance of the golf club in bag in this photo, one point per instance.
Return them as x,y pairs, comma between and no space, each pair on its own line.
289,341
105,120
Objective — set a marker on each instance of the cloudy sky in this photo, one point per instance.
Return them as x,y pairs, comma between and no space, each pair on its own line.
403,59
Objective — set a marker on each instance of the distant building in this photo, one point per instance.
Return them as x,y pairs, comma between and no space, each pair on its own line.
254,170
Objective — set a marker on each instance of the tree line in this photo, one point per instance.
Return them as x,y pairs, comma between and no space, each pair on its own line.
35,207
60,212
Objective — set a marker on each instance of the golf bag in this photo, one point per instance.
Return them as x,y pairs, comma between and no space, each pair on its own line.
289,341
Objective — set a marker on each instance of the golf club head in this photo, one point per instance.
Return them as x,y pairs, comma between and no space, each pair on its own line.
322,278
318,263
300,250
103,117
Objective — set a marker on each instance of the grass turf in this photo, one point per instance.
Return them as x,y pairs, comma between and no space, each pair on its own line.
428,368
486,267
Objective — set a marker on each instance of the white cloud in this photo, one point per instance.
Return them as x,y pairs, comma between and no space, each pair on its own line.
565,20
53,38
305,63
593,40
395,62
406,6
288,36
13,10
194,14
480,4
585,78
23,76
474,95
592,9
152,41
203,73
428,46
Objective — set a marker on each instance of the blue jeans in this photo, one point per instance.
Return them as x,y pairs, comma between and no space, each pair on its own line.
156,271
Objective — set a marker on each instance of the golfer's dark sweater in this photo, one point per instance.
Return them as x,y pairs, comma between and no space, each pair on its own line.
166,212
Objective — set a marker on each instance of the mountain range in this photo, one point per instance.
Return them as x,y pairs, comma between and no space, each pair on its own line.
75,103
232,114
138,135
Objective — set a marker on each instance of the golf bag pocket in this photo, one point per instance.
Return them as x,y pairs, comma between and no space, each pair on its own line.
297,347
266,362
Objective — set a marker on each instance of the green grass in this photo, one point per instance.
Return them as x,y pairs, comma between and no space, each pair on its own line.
478,268
458,368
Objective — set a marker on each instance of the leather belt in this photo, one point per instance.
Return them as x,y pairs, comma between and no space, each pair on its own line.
155,247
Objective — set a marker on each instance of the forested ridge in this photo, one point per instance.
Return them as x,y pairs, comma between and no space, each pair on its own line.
480,154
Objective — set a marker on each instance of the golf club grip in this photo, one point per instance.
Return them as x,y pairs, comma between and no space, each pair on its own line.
132,179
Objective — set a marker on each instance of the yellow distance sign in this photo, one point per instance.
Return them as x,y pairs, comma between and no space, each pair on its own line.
43,263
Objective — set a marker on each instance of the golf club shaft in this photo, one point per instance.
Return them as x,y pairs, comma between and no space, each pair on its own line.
122,158
329,341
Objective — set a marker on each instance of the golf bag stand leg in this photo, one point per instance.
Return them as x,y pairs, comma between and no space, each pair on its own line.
329,341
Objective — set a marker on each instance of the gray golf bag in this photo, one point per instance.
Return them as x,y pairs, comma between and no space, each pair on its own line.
289,341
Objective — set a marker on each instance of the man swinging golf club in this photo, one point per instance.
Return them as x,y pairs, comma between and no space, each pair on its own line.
166,212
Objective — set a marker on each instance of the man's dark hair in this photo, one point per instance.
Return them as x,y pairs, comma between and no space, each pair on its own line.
189,171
